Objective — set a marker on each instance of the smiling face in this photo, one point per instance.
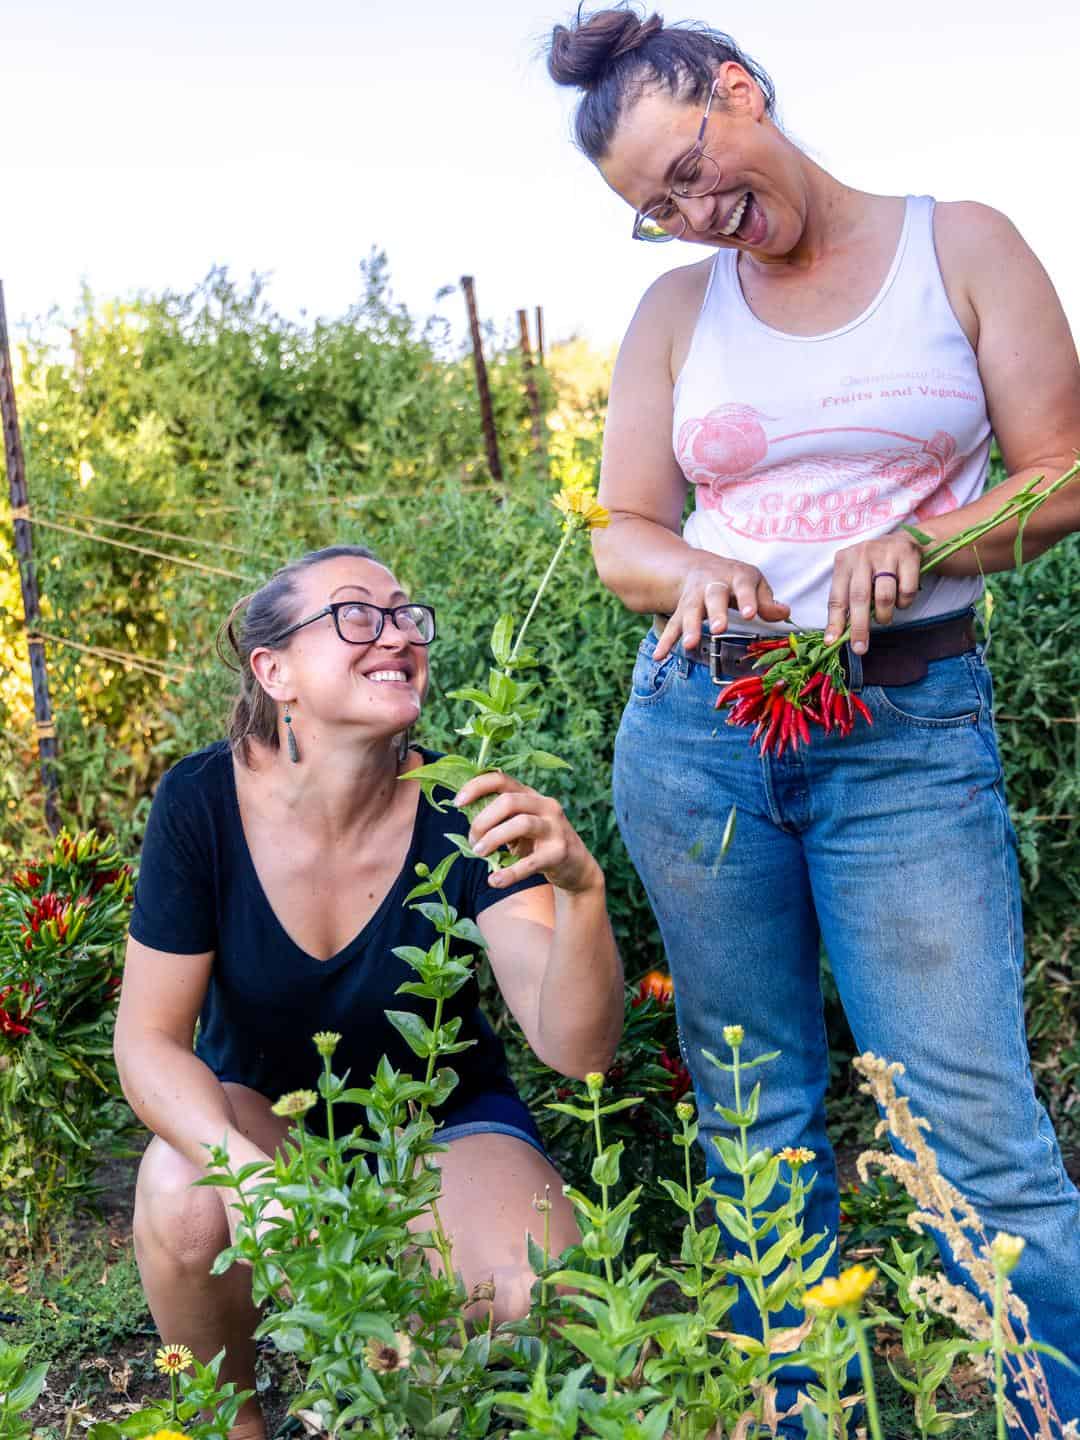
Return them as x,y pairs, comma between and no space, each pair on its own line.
377,687
759,203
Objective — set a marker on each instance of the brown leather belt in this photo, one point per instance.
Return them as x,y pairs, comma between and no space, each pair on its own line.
895,657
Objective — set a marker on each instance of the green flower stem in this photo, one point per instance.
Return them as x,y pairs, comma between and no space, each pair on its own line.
999,1356
869,1392
691,1218
609,1271
173,1398
757,1290
337,1172
568,534
1024,504
831,1393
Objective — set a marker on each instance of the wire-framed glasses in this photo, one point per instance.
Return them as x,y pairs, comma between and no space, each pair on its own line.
695,175
359,623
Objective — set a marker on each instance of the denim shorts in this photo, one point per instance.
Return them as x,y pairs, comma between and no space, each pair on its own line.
493,1112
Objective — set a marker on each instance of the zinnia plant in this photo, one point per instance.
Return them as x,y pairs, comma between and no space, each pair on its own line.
802,682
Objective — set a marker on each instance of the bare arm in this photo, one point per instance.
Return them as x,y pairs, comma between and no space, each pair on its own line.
642,556
551,947
170,1089
1030,373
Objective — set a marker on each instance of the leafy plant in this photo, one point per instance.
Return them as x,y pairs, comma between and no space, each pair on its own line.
63,920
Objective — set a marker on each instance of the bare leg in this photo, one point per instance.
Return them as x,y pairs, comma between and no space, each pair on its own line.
489,1181
178,1231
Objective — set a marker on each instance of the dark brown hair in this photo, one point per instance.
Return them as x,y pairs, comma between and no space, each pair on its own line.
614,54
267,612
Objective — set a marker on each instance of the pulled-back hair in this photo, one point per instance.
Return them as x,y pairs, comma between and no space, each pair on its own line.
266,613
614,54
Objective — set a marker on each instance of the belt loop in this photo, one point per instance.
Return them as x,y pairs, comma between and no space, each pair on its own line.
853,666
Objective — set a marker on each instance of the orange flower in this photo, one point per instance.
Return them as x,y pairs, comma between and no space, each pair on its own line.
656,985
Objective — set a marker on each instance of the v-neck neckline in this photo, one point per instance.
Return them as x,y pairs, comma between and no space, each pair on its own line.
373,922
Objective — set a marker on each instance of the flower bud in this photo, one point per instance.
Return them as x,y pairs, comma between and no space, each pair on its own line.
1005,1252
684,1110
595,1082
326,1042
734,1035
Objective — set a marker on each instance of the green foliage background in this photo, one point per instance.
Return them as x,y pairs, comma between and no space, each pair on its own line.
210,415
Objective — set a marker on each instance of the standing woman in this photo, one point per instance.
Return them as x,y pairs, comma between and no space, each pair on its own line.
832,369
270,905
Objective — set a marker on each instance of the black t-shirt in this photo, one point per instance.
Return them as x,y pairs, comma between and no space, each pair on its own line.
198,891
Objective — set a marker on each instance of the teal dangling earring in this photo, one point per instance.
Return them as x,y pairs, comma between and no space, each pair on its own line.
294,749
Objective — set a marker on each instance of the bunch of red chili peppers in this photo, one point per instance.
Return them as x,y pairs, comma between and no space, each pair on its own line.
800,685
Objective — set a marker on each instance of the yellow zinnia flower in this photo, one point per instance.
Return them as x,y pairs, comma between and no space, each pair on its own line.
797,1155
326,1041
581,510
297,1102
171,1359
167,1435
842,1292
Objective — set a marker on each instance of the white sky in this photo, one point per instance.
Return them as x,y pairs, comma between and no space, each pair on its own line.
145,141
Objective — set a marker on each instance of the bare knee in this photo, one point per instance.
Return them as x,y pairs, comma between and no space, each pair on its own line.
175,1218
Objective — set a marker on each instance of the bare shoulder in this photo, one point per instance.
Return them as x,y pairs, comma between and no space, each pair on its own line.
975,234
668,311
974,243
978,247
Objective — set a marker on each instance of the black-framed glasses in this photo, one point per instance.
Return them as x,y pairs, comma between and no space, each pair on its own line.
359,623
695,175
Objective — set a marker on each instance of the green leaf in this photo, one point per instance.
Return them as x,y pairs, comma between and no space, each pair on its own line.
501,638
537,759
416,1033
919,536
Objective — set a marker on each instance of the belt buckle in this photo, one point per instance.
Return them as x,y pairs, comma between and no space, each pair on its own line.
721,648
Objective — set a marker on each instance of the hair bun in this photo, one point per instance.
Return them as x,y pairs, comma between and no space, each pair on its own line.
580,55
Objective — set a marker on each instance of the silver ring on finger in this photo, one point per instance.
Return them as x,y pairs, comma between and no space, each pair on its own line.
714,583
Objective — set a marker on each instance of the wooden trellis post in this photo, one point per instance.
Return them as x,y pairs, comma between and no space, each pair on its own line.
486,415
531,392
540,334
20,514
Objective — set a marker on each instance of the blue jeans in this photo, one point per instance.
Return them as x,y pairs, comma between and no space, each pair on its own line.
894,847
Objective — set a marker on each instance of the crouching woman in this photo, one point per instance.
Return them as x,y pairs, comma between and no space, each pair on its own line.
268,907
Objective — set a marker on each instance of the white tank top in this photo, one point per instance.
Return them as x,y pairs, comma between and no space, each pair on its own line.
798,446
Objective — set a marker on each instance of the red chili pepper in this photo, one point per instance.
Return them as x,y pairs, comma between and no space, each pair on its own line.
812,684
774,726
762,647
861,708
804,728
817,716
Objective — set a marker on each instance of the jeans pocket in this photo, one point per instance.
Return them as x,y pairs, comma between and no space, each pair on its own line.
650,679
947,697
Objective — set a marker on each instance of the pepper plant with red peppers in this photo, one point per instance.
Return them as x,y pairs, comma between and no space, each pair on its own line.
801,680
63,923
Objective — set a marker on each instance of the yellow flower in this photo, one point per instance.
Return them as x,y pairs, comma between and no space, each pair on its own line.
797,1155
171,1359
385,1359
167,1435
1005,1252
326,1041
842,1292
684,1110
594,1080
297,1102
734,1035
581,509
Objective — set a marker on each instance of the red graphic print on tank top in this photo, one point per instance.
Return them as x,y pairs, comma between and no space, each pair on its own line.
834,494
